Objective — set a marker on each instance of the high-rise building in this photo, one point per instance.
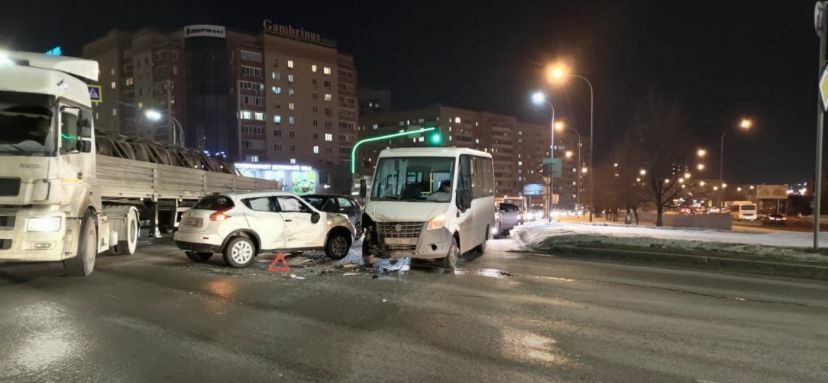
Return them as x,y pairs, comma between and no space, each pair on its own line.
517,148
373,101
286,95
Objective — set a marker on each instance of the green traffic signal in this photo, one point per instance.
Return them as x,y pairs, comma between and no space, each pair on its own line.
435,138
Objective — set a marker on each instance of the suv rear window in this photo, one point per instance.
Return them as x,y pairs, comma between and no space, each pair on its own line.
214,202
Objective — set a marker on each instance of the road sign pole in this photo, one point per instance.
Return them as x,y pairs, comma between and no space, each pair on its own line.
822,28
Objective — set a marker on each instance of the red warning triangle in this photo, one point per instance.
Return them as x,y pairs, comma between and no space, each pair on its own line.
275,268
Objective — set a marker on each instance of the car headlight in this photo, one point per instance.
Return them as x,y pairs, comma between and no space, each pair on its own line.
43,224
437,222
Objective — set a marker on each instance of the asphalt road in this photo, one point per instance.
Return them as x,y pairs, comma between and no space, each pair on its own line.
504,317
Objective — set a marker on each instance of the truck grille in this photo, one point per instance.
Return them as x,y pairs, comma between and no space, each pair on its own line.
9,186
400,229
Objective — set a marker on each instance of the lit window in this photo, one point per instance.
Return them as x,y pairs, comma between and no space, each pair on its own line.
293,161
328,97
290,77
313,68
259,116
291,120
276,89
246,114
113,84
456,120
277,119
328,137
129,81
290,64
276,75
291,105
326,70
316,149
114,111
290,91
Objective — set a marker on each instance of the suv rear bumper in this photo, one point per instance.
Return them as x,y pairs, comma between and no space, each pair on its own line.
198,247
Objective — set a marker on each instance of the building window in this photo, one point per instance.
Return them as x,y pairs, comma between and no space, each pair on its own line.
326,71
114,111
113,84
129,81
291,105
277,119
249,85
290,77
276,89
328,97
314,96
293,161
277,147
290,92
315,109
293,149
316,149
277,133
259,116
292,134
290,64
315,123
457,120
175,70
246,115
276,76
327,84
313,81
292,121
251,56
328,137
252,158
251,71
328,124
316,136
313,68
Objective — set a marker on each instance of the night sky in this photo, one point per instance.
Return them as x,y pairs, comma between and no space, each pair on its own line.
719,60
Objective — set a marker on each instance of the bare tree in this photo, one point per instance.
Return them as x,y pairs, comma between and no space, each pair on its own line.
663,147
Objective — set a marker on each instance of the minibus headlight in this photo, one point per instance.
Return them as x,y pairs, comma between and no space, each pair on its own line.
437,222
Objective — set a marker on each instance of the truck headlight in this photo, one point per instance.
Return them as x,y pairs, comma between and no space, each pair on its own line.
437,222
43,224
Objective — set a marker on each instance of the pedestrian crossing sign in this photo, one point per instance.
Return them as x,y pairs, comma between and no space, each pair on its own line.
95,94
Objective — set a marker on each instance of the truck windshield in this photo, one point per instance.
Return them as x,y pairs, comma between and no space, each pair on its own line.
413,179
26,127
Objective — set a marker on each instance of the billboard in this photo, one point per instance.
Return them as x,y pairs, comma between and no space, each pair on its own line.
299,179
772,191
533,189
204,30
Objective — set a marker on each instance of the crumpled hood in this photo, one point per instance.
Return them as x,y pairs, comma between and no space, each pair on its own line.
390,211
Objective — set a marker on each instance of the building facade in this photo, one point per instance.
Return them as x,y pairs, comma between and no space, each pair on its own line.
517,148
285,95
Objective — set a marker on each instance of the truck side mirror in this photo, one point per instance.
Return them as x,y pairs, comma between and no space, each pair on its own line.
363,188
84,146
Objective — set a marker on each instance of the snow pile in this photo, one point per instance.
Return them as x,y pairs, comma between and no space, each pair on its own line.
786,245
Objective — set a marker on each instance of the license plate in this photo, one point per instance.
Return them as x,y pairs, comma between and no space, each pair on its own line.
401,241
191,221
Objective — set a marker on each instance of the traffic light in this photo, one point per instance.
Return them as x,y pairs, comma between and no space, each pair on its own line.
435,138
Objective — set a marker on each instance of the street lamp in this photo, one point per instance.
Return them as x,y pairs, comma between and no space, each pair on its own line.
569,154
557,73
745,124
155,116
539,98
701,153
700,167
642,172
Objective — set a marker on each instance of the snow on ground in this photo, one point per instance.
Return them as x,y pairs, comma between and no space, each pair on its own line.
789,245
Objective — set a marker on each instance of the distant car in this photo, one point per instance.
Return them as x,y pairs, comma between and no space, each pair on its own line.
338,204
535,213
242,225
508,216
775,219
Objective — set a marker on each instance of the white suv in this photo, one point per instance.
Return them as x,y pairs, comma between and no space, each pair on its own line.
241,225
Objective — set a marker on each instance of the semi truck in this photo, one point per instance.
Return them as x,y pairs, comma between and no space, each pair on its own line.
66,196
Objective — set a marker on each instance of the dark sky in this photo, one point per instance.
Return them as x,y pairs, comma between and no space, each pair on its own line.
719,60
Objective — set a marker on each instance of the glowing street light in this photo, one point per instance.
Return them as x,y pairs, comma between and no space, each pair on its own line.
538,98
153,115
560,126
701,153
569,154
642,172
584,170
701,183
738,189
700,167
557,73
724,186
746,123
715,188
687,175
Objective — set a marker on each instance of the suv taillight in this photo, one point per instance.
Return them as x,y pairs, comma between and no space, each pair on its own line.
218,216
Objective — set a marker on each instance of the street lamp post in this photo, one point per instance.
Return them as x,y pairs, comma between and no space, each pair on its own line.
539,98
557,73
744,124
154,115
561,126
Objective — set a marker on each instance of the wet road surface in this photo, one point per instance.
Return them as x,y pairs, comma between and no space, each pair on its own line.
504,317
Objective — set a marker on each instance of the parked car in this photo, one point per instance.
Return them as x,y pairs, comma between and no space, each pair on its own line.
338,204
242,225
508,216
775,219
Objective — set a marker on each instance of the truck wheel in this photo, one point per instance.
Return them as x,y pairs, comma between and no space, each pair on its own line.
337,246
130,243
84,262
239,252
450,261
198,257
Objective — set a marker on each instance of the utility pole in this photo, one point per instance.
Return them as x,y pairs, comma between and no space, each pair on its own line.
822,30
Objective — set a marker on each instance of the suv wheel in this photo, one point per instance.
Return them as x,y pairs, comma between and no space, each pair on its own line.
337,246
239,252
